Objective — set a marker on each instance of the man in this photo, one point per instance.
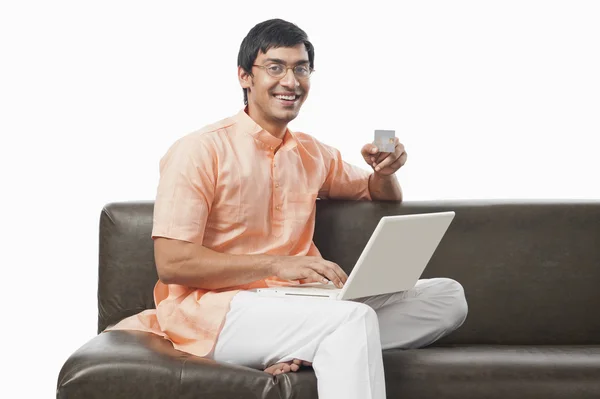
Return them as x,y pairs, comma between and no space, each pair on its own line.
235,210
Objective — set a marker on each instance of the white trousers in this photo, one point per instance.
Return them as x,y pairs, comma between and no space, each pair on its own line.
343,339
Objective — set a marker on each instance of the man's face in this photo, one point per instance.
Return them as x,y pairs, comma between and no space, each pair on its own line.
266,93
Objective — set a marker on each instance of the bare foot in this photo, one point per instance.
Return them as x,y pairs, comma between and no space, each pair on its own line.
286,367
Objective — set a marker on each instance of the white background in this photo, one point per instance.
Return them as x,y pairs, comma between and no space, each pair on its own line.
492,100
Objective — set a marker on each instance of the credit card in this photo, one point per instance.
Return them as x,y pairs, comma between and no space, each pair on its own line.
384,140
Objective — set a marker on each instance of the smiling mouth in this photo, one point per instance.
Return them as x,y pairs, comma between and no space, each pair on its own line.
287,99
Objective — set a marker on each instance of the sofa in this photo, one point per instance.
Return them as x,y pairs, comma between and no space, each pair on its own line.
530,270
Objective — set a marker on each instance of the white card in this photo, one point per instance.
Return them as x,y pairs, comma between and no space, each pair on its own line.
384,140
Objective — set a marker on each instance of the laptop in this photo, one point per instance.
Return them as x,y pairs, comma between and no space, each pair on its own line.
393,259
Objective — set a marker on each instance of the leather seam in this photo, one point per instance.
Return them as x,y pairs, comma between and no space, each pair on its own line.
179,386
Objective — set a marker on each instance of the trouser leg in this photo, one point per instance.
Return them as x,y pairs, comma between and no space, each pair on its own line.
340,338
420,316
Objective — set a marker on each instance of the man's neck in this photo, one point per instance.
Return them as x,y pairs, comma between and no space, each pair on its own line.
275,129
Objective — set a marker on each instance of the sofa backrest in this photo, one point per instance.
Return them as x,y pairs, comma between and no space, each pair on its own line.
530,269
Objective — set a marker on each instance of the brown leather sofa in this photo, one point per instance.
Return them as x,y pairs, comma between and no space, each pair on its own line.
531,273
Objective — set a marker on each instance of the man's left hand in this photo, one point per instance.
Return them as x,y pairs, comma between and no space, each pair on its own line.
385,163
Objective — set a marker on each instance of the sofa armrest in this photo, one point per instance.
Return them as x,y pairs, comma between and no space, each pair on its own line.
132,364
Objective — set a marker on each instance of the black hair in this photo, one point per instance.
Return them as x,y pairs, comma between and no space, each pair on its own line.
272,33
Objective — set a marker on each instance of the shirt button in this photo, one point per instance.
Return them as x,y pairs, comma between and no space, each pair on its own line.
278,207
272,148
277,185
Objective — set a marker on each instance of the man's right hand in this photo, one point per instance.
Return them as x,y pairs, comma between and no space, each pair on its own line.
310,269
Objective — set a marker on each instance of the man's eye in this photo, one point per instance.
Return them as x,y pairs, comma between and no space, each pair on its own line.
302,70
275,68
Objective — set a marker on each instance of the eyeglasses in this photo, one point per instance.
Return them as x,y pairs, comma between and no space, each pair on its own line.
278,71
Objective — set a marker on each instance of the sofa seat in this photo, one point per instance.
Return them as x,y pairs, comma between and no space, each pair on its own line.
118,363
126,364
482,371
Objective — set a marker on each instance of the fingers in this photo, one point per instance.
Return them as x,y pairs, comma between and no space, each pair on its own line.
318,270
323,275
398,155
333,272
396,165
339,271
368,150
399,162
374,158
316,277
331,276
403,158
379,157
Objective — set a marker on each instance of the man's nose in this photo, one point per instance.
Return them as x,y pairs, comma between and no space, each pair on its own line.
289,79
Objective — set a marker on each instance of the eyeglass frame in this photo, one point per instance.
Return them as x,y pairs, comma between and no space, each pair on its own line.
265,67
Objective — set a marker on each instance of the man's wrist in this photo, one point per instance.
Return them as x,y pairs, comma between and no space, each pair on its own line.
377,180
386,188
378,176
271,264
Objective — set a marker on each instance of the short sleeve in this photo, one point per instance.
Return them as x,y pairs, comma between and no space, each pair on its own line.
185,191
343,180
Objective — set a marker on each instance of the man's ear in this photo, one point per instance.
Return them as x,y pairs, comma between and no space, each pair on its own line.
244,78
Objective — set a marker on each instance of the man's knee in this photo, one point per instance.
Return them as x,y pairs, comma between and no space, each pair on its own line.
451,294
360,310
458,307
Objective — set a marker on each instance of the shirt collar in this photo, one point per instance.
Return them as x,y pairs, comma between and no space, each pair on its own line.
248,125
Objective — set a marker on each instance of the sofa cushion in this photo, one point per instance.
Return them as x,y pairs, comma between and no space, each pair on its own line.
494,372
133,364
125,364
491,372
529,268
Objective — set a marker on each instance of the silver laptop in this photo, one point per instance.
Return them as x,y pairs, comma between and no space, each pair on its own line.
393,259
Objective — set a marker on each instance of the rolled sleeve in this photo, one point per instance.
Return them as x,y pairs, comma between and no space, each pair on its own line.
185,191
344,180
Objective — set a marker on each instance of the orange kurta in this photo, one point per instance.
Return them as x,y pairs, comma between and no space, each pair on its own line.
235,188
